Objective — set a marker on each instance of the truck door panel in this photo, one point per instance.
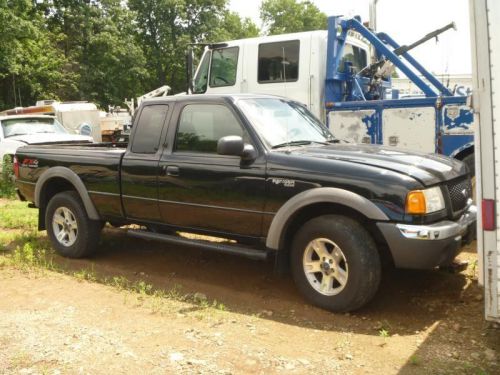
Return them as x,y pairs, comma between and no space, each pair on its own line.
210,191
139,171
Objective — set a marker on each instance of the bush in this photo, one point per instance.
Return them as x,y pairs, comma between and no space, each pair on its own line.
7,189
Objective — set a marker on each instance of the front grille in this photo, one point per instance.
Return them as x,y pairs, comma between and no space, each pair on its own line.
460,193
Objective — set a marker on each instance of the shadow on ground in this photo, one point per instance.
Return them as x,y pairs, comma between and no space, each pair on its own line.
407,301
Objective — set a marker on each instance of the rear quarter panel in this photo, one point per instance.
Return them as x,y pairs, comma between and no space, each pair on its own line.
99,170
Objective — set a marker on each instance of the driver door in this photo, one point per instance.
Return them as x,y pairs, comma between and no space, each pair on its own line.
199,188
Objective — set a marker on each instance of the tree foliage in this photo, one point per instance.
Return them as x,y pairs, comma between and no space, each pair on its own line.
104,50
291,16
167,27
30,66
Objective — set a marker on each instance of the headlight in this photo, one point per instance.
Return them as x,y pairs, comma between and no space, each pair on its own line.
424,201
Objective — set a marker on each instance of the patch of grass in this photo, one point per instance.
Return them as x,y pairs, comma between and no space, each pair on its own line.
142,288
29,256
218,305
383,333
6,238
17,215
414,360
119,282
20,359
473,270
23,247
86,274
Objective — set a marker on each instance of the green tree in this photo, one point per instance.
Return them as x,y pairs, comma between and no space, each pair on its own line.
232,26
99,41
31,67
290,16
168,26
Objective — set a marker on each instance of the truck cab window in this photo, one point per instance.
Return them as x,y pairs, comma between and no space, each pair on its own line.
202,125
224,66
148,129
357,56
279,62
201,79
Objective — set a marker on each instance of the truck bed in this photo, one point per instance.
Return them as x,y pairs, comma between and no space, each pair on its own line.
97,165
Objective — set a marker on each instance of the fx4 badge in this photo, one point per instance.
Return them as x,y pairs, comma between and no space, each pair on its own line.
30,163
283,181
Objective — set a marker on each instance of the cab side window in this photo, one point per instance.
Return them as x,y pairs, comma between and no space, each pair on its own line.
279,62
202,125
149,126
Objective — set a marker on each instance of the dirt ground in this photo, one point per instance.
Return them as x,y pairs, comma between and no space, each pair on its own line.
419,322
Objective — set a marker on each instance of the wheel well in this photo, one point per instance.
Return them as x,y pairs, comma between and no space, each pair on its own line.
319,209
51,187
464,153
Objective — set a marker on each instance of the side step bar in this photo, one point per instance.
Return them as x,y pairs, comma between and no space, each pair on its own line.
206,245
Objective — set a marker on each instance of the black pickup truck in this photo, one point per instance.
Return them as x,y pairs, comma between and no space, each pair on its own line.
263,172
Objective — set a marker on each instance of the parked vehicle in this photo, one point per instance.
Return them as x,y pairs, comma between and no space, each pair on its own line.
77,117
22,130
264,172
343,75
485,32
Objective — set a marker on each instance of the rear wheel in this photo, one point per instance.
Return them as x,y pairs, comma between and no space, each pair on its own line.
335,263
70,230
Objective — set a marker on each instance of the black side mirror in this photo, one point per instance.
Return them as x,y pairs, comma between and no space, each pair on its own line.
249,152
230,145
234,145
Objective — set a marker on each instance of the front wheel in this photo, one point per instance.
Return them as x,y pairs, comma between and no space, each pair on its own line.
335,263
72,233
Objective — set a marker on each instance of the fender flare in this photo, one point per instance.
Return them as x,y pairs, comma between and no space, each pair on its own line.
462,148
72,178
319,195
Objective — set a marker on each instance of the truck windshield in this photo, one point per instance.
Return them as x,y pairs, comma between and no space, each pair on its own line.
201,79
24,126
281,122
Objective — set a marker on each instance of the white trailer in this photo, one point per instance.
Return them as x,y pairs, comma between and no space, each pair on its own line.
485,35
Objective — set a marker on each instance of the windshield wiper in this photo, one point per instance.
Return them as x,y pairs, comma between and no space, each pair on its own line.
298,143
333,140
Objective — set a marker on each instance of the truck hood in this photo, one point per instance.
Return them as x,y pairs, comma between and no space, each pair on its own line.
428,169
44,138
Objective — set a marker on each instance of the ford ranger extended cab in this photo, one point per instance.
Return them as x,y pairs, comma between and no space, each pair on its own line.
263,172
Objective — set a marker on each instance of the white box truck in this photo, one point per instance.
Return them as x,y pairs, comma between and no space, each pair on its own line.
485,35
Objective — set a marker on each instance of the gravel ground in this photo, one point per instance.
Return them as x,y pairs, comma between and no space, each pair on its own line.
194,312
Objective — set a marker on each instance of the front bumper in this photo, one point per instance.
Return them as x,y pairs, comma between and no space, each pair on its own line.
429,246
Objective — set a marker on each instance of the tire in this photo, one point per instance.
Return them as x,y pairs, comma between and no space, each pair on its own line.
351,257
66,216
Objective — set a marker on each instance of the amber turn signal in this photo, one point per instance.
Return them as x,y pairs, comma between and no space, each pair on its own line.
415,202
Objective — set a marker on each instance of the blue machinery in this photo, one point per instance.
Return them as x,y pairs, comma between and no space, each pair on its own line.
348,90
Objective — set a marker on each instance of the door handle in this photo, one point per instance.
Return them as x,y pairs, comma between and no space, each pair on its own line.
172,170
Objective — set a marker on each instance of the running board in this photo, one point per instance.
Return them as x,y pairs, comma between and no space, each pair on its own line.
206,245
